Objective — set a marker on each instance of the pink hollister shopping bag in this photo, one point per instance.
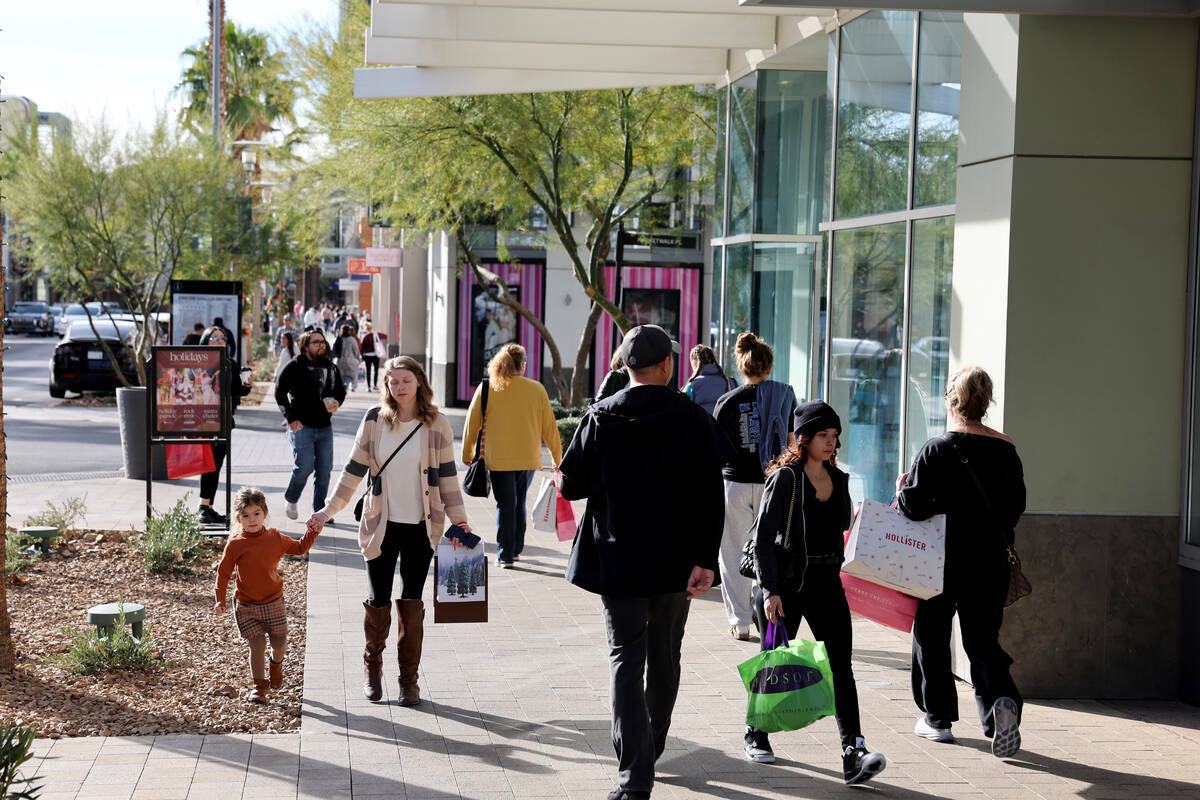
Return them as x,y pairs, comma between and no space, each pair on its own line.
565,519
878,603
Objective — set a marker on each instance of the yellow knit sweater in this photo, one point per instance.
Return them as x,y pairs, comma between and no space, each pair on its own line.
519,421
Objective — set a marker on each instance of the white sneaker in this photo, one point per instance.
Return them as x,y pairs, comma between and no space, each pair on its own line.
291,510
927,731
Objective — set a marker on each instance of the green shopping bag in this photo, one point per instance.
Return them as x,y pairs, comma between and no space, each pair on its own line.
789,686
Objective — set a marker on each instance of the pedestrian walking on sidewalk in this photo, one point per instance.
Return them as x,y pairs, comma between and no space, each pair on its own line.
616,379
254,550
209,481
519,421
757,418
644,554
346,355
373,347
798,555
407,447
708,382
288,349
981,509
309,391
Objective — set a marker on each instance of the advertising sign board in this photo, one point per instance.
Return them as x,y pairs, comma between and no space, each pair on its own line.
189,385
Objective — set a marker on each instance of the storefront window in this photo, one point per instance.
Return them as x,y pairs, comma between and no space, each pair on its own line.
791,146
822,315
742,142
939,76
783,308
719,188
866,369
738,288
718,278
929,330
874,102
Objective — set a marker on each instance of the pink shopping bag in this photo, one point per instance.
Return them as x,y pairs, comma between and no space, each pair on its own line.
879,603
565,519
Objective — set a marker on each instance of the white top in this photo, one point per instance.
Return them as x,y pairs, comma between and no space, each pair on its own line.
284,358
402,478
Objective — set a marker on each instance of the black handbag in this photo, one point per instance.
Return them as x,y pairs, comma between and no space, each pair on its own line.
748,567
373,479
477,482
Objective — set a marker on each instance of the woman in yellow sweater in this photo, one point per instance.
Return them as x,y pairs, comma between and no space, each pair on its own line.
519,421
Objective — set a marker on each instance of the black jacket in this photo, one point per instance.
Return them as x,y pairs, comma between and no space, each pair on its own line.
613,382
648,460
939,483
780,566
301,396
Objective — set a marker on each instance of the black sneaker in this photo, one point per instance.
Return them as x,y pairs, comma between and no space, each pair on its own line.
758,747
209,516
622,794
860,765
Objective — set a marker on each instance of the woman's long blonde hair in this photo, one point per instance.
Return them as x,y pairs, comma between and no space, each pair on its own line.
507,364
426,411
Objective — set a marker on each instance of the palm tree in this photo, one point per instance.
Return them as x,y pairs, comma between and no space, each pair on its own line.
258,94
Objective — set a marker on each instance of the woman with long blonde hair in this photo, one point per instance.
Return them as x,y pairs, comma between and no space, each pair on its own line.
414,492
518,422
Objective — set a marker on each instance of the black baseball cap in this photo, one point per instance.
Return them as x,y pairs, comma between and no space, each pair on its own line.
647,345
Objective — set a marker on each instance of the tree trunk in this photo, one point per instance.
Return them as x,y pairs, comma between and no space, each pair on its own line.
7,654
581,355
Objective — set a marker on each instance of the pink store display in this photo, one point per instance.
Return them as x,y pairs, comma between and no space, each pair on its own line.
889,549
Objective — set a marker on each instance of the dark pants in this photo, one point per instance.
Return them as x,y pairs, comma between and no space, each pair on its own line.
408,544
980,606
644,639
209,480
822,602
509,488
372,368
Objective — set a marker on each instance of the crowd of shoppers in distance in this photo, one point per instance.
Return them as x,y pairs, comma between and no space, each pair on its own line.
760,471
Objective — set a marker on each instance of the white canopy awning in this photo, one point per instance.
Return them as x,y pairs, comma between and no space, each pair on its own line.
459,47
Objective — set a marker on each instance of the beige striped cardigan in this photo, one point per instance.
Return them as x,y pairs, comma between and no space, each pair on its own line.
442,497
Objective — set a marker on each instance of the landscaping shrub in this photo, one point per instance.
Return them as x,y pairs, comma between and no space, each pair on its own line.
566,429
16,745
89,652
19,553
562,412
171,542
62,516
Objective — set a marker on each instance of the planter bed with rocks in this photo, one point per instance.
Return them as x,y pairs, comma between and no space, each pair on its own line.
202,677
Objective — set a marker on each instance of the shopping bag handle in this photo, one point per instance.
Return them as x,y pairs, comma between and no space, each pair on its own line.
774,632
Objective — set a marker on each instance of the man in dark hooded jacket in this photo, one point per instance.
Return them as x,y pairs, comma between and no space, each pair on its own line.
648,460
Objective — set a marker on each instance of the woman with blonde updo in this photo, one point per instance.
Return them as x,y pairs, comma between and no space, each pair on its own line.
757,418
518,422
981,512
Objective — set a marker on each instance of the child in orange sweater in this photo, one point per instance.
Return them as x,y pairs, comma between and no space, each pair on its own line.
260,614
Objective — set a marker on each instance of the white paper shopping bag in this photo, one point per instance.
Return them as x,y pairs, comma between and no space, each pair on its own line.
542,516
889,549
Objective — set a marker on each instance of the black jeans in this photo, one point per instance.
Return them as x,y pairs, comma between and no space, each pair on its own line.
644,639
408,544
510,487
822,602
979,602
372,368
209,480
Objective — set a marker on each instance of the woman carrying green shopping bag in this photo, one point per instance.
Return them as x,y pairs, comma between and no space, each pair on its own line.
798,555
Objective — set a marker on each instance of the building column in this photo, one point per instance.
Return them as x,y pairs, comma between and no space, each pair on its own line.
1070,286
441,308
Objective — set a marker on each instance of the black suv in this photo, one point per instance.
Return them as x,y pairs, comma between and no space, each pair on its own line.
80,364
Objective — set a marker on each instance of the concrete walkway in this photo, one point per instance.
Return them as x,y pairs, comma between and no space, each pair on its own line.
518,707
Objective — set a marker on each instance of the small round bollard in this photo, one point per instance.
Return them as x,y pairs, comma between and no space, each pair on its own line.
44,534
105,617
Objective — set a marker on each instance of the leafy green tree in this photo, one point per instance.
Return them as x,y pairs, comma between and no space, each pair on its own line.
462,580
446,163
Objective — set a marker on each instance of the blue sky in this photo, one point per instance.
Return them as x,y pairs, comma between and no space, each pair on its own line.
86,58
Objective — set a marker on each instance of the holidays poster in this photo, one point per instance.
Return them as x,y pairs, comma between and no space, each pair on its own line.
187,384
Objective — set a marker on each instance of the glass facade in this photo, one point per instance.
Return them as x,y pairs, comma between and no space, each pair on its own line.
719,188
782,307
742,142
939,76
791,148
929,330
739,288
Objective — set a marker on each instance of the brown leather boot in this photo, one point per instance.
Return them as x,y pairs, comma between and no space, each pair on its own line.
376,623
408,648
259,693
275,673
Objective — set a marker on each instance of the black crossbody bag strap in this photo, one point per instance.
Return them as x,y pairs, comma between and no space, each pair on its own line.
373,479
987,503
482,419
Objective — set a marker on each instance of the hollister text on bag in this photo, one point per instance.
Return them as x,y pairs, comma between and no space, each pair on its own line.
889,549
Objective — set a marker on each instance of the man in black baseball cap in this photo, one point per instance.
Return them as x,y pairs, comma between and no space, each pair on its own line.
648,461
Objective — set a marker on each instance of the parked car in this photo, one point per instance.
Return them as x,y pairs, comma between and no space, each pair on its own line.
80,364
74,312
29,316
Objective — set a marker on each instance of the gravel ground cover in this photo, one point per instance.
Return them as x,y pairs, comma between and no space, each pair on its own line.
204,675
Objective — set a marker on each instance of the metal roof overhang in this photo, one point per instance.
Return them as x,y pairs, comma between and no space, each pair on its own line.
436,48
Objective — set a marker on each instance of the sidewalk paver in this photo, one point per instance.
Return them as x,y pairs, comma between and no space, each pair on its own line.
518,707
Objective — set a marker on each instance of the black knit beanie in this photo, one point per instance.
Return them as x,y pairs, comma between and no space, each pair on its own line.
813,416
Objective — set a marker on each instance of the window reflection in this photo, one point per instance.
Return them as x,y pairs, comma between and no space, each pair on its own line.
719,189
874,101
865,358
939,74
791,141
929,330
718,277
738,287
741,156
783,308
